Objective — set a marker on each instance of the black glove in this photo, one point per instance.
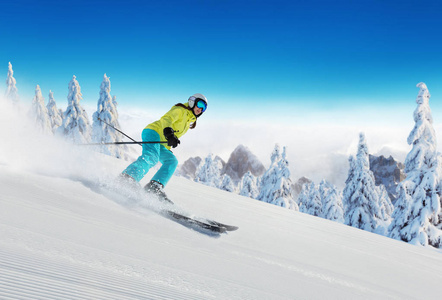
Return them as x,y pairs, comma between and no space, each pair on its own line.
171,138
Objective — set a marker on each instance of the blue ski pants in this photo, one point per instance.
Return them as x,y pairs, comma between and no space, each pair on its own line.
152,154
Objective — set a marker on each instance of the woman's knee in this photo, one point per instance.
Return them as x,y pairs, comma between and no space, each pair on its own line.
173,162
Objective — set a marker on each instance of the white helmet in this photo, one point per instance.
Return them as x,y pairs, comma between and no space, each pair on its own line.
194,97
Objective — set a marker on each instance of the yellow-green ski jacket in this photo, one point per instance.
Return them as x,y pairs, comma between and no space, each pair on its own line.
179,118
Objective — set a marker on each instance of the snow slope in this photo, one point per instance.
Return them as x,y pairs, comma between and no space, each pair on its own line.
65,236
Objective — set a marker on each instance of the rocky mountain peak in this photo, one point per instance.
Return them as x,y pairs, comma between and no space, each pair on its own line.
240,162
189,167
387,171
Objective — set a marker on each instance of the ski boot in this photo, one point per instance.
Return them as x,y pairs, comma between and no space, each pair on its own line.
156,188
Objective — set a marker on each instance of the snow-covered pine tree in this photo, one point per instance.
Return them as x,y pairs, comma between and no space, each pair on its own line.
385,210
227,184
209,173
76,126
385,204
39,113
11,92
324,188
303,195
361,199
249,187
275,185
55,115
417,215
332,207
312,205
103,133
349,188
61,114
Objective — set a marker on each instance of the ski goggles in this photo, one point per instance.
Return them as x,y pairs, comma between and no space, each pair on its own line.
201,104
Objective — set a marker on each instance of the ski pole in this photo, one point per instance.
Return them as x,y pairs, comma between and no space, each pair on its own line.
123,143
118,131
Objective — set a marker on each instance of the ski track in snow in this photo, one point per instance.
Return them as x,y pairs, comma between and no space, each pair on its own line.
310,274
41,198
60,263
43,277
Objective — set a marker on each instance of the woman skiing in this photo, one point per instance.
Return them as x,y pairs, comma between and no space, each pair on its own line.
173,125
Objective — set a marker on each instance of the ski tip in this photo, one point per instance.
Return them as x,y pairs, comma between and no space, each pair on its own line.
232,228
221,230
227,227
195,224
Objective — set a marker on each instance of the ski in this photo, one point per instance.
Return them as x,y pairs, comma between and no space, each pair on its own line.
185,220
169,210
227,227
200,222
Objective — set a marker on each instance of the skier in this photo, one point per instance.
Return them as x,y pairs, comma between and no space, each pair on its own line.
171,127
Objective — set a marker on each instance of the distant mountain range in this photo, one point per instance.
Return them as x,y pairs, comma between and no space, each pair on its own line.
240,162
387,171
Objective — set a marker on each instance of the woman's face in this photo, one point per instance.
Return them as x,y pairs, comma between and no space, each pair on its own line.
197,110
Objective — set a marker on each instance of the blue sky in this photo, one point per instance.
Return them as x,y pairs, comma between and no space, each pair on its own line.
305,54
